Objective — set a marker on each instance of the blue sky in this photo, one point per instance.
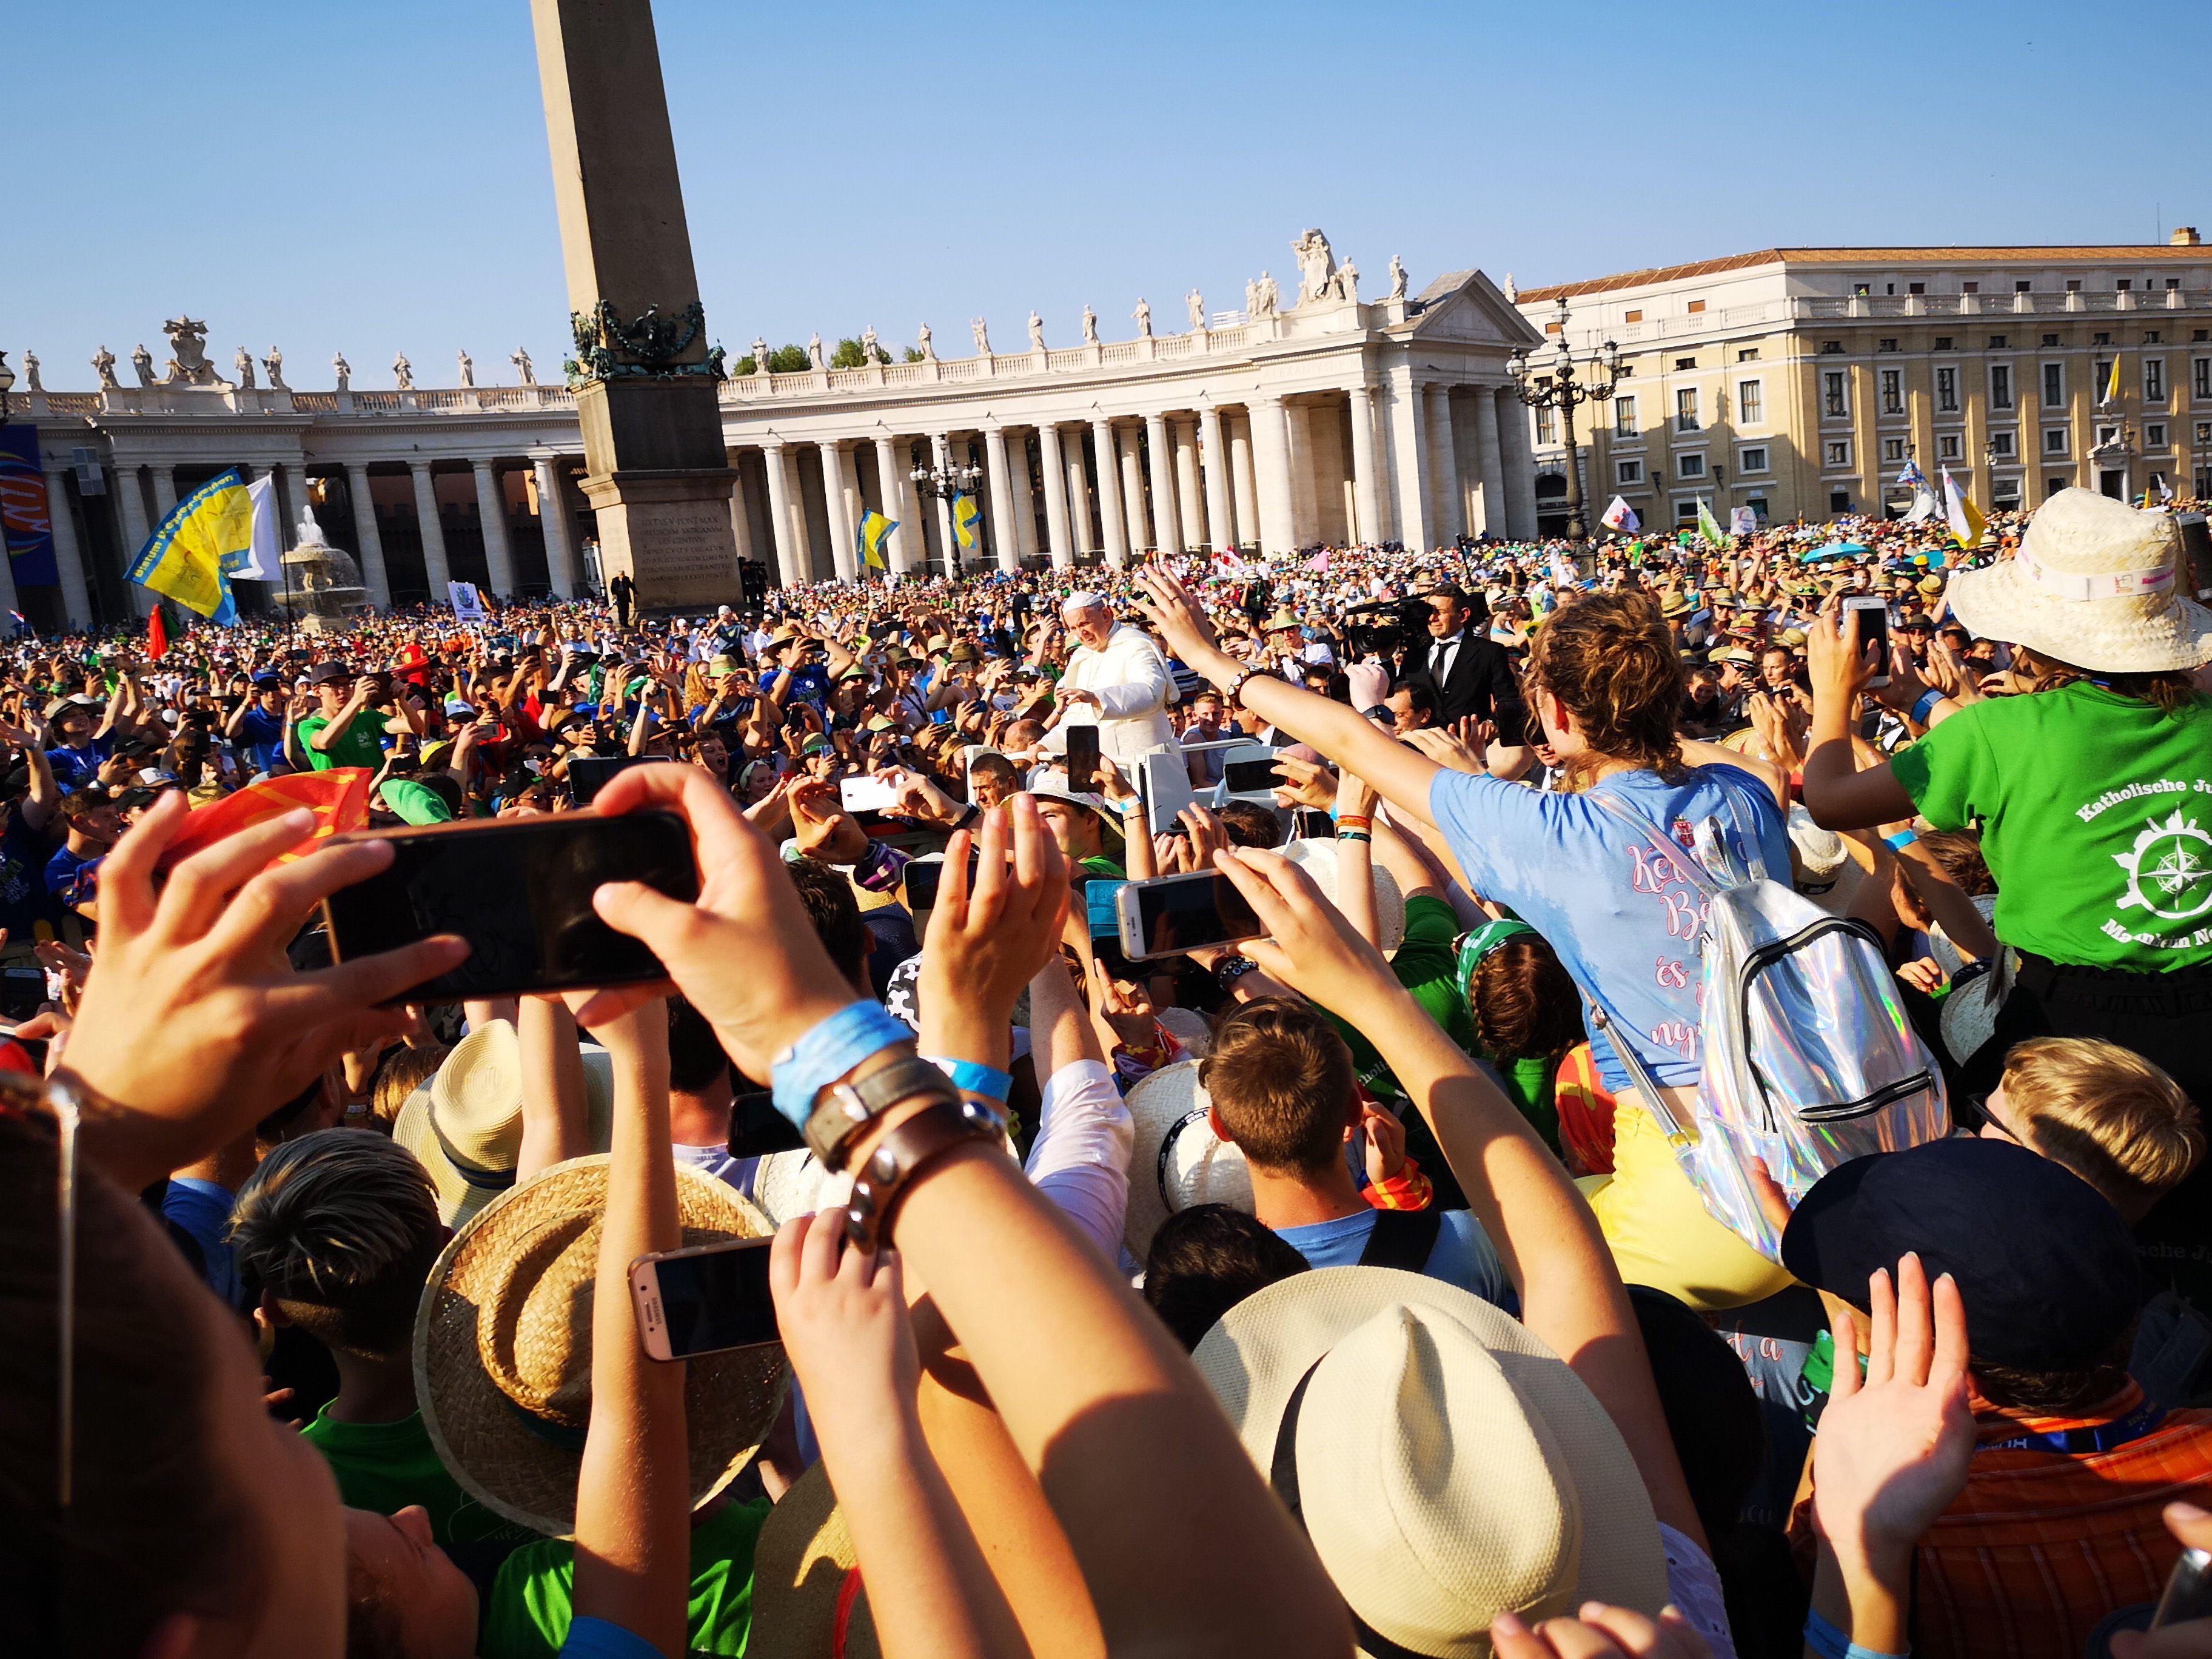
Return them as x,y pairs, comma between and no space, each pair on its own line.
371,176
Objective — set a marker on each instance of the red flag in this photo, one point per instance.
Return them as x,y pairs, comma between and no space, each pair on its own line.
338,799
157,636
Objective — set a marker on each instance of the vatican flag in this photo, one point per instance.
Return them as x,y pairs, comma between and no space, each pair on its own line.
875,532
967,523
1709,526
1965,519
2112,382
206,536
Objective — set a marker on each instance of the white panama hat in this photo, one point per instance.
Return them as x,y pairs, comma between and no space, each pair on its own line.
1317,858
2096,584
1176,1160
1447,1465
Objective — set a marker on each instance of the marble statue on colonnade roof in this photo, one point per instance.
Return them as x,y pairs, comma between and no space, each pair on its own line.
466,365
921,344
1196,302
1262,298
103,364
1090,326
983,334
523,366
870,347
1143,314
188,366
814,351
1399,280
243,364
403,372
30,371
142,361
343,370
274,362
1316,266
1036,332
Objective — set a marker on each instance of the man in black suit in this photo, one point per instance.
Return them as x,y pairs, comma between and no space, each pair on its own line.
1469,672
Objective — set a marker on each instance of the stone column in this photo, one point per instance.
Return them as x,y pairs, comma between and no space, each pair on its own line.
1017,482
848,483
1367,498
741,524
561,566
8,599
1167,526
374,575
1243,484
1078,491
1519,446
69,557
1128,446
1220,528
131,509
1005,540
165,502
1409,453
1302,474
1109,492
842,555
940,452
1190,501
1271,454
916,541
1053,463
298,497
436,572
491,514
1491,458
790,553
891,486
1443,464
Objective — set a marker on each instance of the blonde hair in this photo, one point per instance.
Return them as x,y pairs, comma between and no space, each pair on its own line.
2106,1112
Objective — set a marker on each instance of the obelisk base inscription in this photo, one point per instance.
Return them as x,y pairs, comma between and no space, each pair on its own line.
671,533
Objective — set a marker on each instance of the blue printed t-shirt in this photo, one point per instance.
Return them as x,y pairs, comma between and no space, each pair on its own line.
263,734
1624,921
1461,1256
66,875
24,899
74,767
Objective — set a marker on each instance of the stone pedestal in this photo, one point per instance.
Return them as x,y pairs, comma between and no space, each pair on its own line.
669,533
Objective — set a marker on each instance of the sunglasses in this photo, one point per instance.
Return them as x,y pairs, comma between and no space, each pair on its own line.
1971,1112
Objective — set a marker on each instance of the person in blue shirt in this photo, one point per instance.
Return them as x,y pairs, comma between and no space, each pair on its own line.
257,723
95,823
77,752
1281,1087
26,843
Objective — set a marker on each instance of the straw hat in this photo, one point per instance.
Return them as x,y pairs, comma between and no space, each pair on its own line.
1317,858
1176,1160
805,1574
464,1126
503,1346
2096,584
1344,1383
1821,867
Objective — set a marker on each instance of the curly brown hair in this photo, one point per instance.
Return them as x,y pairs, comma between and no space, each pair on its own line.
1610,659
1523,1003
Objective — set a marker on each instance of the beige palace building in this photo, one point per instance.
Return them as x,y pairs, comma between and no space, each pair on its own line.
1798,381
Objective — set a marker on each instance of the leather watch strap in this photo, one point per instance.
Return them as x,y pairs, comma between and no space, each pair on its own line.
881,1185
844,1109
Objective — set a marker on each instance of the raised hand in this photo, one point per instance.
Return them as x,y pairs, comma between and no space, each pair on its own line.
985,943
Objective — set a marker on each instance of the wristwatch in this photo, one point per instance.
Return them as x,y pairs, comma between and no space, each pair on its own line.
844,1109
882,1184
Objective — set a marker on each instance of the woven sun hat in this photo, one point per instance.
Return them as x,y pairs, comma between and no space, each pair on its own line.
2096,584
1821,867
464,1125
503,1346
1317,858
1447,1465
1176,1160
808,1601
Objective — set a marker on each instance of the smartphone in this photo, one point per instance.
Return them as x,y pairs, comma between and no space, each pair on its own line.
1250,777
520,891
2188,1593
1873,611
2196,552
589,773
866,795
1082,757
21,991
704,1299
1169,914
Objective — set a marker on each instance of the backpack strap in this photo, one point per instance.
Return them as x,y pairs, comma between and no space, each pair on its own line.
1402,1239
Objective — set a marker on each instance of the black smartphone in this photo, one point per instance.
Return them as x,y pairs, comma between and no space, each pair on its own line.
757,1128
1169,915
21,991
1250,777
589,773
1082,757
520,891
704,1299
2196,552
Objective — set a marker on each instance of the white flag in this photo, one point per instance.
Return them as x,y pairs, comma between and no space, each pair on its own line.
468,605
265,554
1622,516
1925,504
1742,521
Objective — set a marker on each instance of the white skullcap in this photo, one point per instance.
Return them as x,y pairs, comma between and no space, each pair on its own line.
1082,600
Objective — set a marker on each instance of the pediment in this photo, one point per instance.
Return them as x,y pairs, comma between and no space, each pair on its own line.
1466,305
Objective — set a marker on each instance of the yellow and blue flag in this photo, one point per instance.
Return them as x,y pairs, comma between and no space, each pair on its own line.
967,523
209,535
875,533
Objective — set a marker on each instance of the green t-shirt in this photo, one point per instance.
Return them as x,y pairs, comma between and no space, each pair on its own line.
2096,815
1424,966
385,1467
532,1600
414,803
361,743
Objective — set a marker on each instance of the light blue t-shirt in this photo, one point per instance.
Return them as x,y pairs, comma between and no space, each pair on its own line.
1461,1256
1623,919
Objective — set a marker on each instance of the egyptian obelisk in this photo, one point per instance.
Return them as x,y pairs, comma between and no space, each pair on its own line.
656,474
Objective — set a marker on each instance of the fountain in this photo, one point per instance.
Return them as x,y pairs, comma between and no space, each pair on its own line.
322,585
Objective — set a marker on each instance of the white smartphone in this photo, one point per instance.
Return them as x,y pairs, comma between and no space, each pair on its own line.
866,793
1248,772
1169,914
1873,612
1164,786
704,1299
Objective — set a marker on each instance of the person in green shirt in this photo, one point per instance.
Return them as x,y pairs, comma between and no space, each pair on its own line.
350,730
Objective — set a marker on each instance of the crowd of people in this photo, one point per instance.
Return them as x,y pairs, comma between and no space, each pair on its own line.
1507,1240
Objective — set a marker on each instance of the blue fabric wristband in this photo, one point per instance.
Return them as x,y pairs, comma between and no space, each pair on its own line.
826,1053
1825,1639
972,1077
1926,706
1901,840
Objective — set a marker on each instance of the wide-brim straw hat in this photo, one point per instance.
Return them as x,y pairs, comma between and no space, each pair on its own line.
464,1125
1176,1160
503,1346
2096,584
1821,867
1449,1467
808,1602
1317,858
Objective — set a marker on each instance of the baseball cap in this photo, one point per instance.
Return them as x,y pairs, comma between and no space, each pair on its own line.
2051,1294
329,673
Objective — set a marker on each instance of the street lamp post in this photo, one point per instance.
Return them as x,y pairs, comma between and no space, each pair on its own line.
948,484
1555,385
